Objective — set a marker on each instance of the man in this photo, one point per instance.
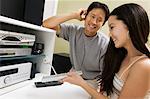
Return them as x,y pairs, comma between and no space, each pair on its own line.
87,46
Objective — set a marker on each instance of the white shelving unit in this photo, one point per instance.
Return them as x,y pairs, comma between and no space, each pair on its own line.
43,35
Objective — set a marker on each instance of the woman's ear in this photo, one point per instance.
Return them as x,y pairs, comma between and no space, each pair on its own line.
128,35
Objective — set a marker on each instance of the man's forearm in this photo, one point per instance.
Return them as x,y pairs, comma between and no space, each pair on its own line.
54,21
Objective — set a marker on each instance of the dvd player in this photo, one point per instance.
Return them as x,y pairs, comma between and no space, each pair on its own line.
9,52
15,44
14,38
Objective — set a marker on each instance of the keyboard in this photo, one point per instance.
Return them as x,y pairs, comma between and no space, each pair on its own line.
57,77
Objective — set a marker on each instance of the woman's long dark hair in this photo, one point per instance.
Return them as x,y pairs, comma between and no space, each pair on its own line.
136,19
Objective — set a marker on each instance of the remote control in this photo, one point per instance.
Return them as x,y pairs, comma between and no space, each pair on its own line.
45,84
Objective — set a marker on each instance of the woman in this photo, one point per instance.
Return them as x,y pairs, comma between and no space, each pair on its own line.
126,73
84,40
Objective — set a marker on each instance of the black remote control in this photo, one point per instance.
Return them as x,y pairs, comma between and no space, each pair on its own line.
45,84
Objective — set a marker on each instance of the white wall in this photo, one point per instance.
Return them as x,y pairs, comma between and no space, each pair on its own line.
50,8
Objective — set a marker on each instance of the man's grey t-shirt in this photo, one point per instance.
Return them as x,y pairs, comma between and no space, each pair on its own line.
86,53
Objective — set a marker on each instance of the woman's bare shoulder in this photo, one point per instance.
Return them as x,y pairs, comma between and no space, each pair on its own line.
142,65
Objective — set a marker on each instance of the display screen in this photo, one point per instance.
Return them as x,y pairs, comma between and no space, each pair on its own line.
8,72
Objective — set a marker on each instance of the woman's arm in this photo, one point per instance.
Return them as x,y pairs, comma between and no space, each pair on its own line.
78,80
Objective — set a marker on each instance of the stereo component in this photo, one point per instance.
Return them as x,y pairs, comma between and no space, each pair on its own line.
12,74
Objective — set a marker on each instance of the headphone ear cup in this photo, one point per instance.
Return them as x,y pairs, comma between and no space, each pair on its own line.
83,15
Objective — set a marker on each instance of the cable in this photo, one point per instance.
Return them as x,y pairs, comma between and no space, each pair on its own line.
54,70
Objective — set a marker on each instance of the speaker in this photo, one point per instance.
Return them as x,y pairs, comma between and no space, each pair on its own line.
37,48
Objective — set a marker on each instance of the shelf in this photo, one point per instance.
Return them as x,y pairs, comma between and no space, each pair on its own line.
21,57
43,35
23,24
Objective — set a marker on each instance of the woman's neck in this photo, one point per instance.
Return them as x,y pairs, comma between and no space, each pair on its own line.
132,51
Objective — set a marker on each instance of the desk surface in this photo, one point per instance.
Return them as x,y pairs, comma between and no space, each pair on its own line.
64,91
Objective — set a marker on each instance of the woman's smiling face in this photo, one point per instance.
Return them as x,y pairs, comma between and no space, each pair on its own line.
118,32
